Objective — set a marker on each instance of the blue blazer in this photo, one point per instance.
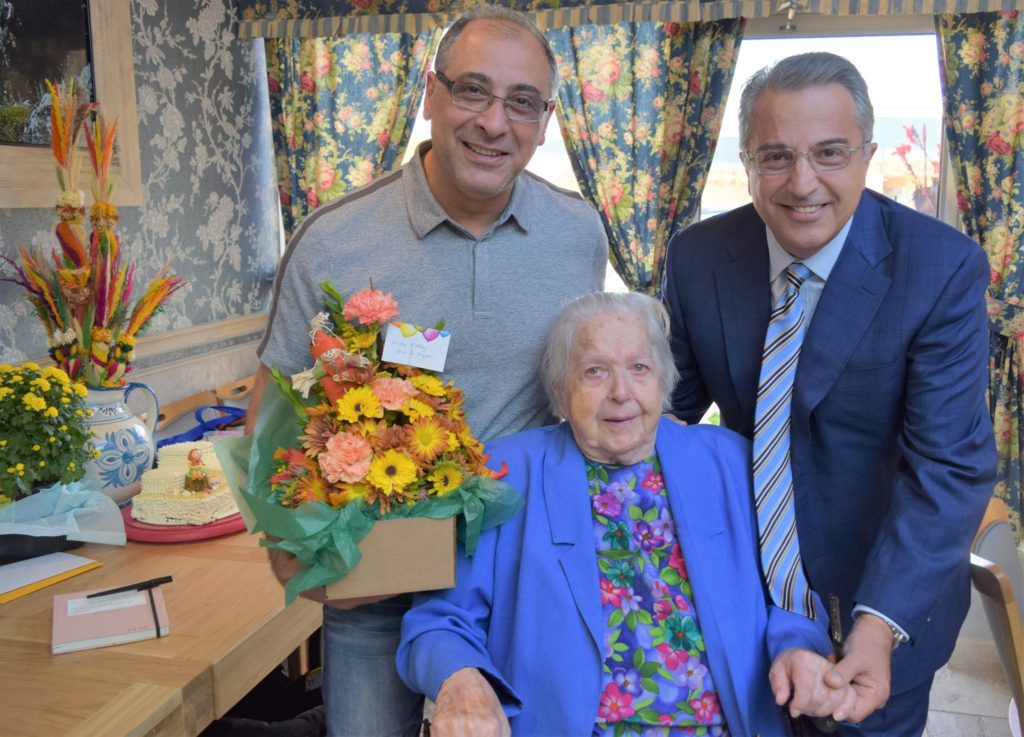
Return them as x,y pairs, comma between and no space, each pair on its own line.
527,608
892,444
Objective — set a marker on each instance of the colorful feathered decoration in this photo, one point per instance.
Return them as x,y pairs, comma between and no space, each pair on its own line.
83,292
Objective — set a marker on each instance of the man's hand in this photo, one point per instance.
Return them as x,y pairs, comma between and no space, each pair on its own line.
866,666
798,681
468,707
285,566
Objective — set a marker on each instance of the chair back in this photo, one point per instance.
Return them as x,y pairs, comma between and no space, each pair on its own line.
995,542
998,577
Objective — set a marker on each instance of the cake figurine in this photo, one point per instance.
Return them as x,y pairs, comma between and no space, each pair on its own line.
187,487
197,479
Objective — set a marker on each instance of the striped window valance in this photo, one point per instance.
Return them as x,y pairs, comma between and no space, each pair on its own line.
605,14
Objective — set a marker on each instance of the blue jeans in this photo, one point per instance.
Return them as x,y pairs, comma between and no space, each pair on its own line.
363,695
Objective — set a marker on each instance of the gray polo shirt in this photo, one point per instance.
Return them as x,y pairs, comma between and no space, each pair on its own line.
497,294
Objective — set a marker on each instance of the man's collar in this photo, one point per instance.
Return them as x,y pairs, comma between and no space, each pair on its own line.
426,213
820,264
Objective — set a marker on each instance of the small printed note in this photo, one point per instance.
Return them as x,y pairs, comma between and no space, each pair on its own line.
128,599
411,345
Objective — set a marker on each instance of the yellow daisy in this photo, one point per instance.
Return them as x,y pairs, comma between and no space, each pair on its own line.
356,403
427,439
414,409
392,471
446,478
363,339
345,493
474,448
428,385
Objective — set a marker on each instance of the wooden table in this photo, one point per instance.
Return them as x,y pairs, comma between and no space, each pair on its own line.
229,629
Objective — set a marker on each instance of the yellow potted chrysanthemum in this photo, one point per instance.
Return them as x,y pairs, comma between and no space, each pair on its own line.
45,446
44,438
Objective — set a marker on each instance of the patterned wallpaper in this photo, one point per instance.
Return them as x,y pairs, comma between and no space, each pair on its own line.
207,170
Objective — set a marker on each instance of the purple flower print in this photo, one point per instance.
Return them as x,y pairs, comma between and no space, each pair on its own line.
665,526
629,600
621,489
629,680
647,536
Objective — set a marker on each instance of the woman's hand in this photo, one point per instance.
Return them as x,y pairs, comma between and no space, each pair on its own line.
466,706
285,566
798,681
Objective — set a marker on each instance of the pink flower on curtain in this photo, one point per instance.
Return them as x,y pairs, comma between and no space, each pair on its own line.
997,145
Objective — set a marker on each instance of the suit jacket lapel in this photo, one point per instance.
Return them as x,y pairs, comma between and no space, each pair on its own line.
744,302
855,288
568,508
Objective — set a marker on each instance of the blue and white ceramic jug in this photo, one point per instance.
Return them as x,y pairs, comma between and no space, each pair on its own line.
125,443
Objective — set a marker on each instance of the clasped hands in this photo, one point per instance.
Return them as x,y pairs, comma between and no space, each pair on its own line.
850,690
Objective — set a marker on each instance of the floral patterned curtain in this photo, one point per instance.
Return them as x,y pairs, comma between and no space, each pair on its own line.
342,110
641,106
983,81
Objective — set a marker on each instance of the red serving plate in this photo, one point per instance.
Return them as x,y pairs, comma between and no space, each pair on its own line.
145,533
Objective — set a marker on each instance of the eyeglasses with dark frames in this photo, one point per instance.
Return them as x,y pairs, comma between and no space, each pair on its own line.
521,107
824,157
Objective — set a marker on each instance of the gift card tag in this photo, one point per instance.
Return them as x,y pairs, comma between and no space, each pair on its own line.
412,345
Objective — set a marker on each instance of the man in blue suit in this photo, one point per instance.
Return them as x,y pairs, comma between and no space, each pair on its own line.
891,446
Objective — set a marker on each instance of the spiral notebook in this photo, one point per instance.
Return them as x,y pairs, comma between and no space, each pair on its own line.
80,623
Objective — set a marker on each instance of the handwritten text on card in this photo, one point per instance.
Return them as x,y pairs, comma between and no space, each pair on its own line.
412,345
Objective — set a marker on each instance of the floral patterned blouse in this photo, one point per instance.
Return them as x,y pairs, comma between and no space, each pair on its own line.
656,681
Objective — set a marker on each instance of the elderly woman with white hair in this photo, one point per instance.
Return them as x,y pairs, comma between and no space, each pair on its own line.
626,597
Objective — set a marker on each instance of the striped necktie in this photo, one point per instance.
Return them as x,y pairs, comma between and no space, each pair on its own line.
773,475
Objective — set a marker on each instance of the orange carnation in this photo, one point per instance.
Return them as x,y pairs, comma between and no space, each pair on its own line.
370,306
346,458
393,393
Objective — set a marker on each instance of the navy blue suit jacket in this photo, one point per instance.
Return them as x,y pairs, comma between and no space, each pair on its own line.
892,445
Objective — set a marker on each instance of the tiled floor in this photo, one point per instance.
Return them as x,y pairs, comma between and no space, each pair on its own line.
970,697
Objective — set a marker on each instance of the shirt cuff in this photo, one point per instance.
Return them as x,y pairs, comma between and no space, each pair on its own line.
900,633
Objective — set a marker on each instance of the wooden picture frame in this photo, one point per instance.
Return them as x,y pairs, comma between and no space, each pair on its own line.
27,177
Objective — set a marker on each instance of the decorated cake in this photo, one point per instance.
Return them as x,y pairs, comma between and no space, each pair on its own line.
187,487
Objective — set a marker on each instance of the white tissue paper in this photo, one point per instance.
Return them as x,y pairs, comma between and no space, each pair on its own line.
73,510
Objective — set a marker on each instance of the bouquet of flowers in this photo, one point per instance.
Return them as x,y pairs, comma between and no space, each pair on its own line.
83,292
354,439
45,439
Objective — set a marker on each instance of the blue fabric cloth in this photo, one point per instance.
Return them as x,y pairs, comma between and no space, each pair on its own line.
892,447
527,607
359,679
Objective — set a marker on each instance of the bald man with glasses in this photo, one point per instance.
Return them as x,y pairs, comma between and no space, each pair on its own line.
846,335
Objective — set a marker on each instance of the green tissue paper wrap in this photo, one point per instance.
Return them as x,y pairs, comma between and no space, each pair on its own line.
323,538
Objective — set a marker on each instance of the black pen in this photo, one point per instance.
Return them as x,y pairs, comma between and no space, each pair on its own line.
141,586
